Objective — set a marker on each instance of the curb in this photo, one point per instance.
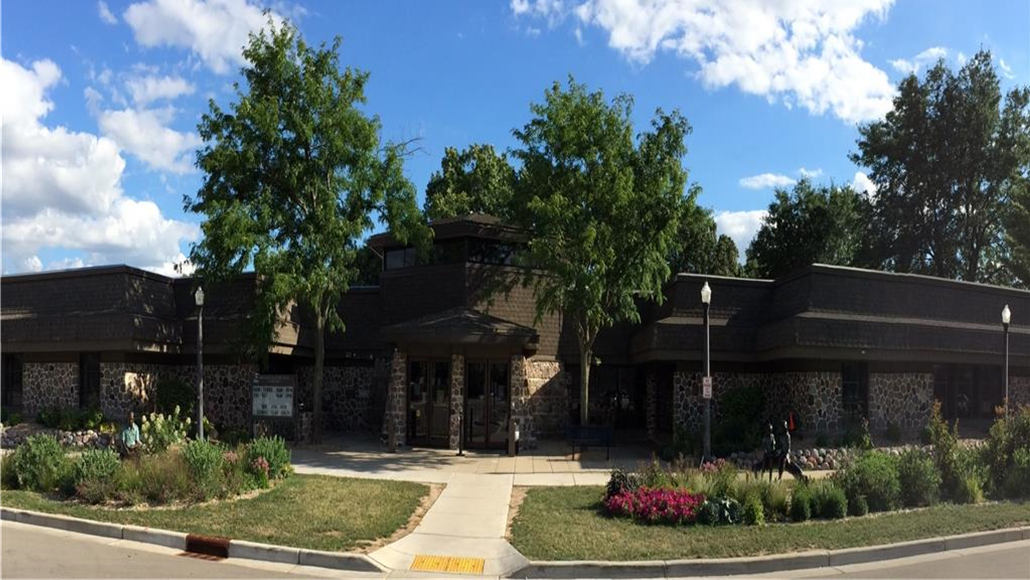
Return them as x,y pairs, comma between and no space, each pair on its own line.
765,564
178,541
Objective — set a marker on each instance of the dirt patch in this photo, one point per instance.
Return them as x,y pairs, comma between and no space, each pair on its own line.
435,489
518,495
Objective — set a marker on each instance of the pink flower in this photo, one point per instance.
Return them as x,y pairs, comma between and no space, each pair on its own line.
668,506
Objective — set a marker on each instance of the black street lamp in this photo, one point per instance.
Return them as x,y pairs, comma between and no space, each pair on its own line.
1006,317
706,300
199,296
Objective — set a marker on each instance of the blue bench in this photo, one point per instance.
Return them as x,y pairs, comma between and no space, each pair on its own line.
590,436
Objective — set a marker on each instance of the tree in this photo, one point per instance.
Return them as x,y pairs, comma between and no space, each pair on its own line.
474,180
945,162
293,173
808,225
697,248
1017,236
600,210
369,264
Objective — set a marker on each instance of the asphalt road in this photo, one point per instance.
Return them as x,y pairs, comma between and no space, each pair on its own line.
36,552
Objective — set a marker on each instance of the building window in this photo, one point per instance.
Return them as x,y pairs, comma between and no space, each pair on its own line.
490,252
400,258
855,390
89,380
12,381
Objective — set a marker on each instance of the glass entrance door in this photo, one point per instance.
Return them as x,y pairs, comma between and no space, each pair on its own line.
429,398
487,404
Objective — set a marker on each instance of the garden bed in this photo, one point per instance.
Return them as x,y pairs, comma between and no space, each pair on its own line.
303,511
568,523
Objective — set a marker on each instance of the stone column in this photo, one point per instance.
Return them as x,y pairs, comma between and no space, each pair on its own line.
396,399
457,399
520,396
651,405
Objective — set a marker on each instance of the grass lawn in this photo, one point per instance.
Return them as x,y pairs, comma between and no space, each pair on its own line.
305,511
565,523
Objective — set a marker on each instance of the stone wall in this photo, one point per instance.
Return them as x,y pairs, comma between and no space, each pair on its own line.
522,408
905,399
457,399
549,396
46,385
814,396
1019,391
396,398
347,393
651,406
129,387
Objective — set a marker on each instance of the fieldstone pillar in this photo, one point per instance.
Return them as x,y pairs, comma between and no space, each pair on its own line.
457,399
396,397
651,405
522,411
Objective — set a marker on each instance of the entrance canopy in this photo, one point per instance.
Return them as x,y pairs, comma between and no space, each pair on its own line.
462,326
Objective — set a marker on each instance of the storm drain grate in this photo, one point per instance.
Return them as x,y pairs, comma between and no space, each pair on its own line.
450,564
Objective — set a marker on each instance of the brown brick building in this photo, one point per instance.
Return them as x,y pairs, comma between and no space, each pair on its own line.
435,345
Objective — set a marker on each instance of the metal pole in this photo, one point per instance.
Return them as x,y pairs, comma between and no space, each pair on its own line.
708,402
200,370
1006,370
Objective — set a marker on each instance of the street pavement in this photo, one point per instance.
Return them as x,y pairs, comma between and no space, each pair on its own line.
35,552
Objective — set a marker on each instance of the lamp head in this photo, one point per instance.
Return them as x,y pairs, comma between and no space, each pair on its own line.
706,294
1006,315
199,296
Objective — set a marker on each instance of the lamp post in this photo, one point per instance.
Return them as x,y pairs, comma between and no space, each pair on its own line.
706,300
199,296
1006,317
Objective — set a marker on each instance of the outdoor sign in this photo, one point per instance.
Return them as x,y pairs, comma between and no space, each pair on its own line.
273,396
706,387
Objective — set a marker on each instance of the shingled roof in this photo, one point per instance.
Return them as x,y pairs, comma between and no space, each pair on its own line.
461,325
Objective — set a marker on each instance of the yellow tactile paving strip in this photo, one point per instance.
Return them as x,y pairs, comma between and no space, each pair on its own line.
451,564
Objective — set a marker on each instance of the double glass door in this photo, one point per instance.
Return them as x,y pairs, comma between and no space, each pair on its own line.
487,404
429,402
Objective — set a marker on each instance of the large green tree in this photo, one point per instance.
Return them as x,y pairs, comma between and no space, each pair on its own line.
474,180
945,162
1017,236
809,225
600,209
294,173
697,248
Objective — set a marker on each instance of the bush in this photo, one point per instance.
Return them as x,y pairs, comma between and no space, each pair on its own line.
8,473
874,475
1017,480
828,501
919,479
620,481
858,506
274,451
50,417
172,394
741,426
754,512
97,464
776,500
801,504
159,432
893,433
234,436
164,478
856,434
945,450
89,419
41,465
969,489
9,419
204,460
1004,442
656,506
708,513
717,511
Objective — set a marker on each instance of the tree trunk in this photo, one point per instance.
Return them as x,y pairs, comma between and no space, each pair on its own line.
584,382
316,428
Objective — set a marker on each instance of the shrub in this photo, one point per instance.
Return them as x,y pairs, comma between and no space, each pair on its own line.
893,433
41,465
801,504
858,506
944,452
97,464
874,475
708,513
828,501
651,474
89,419
164,478
8,418
204,460
656,506
969,489
741,426
274,451
754,512
159,432
8,473
856,434
1006,438
619,481
1017,479
722,475
776,499
920,482
234,436
174,393
822,440
50,417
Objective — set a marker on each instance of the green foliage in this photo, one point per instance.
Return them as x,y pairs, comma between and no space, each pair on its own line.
234,436
858,506
968,489
163,477
294,174
97,465
8,472
720,511
698,248
1008,442
856,434
920,481
945,162
158,432
1017,480
40,464
619,481
274,451
174,393
70,419
873,475
801,504
828,500
944,442
741,427
753,512
809,225
205,462
893,433
582,179
474,180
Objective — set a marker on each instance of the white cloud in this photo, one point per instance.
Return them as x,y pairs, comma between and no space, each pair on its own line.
215,30
926,58
740,225
147,89
144,134
766,180
863,184
801,53
553,10
105,13
1005,69
810,173
62,189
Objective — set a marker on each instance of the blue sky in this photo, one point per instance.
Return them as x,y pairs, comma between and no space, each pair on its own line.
101,99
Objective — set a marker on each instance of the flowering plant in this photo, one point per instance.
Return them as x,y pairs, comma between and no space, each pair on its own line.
158,432
711,467
230,457
260,465
656,505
